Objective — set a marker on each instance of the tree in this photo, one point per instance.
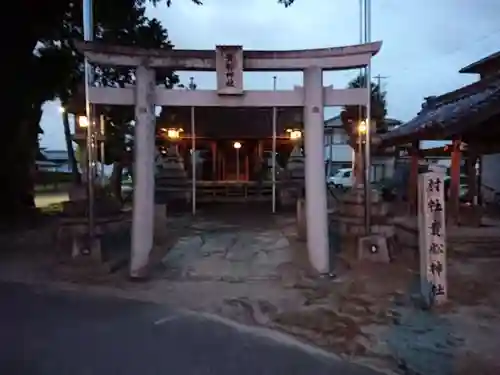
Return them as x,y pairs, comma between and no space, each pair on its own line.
352,116
119,130
34,74
31,79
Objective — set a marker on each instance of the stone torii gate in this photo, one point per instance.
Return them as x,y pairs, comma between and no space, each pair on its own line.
229,62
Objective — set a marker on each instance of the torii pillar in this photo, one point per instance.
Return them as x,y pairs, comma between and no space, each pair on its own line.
316,205
144,184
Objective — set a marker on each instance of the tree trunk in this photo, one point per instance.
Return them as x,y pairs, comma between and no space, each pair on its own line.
77,178
21,113
18,170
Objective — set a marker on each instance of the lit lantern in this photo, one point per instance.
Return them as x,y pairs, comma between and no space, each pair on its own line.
294,134
362,127
173,133
83,121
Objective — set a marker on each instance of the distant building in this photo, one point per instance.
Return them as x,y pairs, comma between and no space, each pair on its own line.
490,177
54,161
339,154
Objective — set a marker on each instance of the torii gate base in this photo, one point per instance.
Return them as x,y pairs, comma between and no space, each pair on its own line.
229,63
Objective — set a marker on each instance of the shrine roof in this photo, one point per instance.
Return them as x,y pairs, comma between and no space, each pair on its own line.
456,113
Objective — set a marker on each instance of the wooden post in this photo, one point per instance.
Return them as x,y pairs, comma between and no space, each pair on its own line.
193,160
473,193
219,167
223,160
259,149
214,160
454,193
432,237
413,180
480,178
472,175
247,168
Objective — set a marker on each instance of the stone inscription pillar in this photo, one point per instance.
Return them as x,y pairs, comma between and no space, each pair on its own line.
316,212
143,206
432,237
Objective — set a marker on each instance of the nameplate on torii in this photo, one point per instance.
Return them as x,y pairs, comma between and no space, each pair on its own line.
229,65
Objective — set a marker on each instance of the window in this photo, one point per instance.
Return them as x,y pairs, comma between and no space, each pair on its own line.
347,174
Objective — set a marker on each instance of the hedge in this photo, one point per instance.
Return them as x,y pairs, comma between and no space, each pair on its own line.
53,178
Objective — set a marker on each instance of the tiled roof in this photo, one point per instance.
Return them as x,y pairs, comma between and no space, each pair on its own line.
451,114
333,121
475,67
336,121
55,154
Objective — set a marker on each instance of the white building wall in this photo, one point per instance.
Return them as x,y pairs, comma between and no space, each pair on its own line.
338,153
337,148
382,167
490,177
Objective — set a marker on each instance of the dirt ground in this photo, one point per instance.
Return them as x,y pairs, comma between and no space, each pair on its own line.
255,271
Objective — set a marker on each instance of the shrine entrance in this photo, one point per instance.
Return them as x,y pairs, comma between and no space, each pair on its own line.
232,150
229,62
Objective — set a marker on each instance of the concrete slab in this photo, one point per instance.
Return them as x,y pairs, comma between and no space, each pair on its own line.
214,249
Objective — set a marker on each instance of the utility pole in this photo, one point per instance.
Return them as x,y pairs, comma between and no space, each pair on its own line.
88,36
366,12
274,124
379,79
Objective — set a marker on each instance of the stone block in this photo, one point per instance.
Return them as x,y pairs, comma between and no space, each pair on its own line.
356,230
283,198
384,230
83,248
160,224
356,195
373,248
358,210
301,220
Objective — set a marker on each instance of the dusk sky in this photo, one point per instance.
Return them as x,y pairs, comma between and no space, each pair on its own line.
425,43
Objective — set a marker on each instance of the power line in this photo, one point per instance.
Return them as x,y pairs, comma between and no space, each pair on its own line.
379,79
472,43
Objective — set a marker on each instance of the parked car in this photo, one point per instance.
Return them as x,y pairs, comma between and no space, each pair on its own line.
343,179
